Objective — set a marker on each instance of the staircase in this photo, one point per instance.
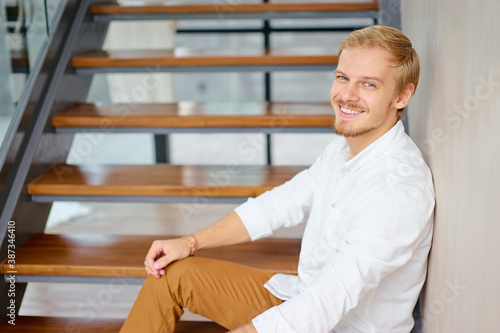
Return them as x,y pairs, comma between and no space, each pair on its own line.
37,175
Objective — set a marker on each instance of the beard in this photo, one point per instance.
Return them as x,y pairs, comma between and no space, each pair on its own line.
350,132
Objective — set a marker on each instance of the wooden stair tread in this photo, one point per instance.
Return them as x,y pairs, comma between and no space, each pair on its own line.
123,256
218,8
161,180
31,324
188,114
186,58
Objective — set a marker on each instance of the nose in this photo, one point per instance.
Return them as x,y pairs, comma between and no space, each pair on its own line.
349,93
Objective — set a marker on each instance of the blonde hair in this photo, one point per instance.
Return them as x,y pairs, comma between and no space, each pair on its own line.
397,44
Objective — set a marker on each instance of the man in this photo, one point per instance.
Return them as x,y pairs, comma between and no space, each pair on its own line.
368,201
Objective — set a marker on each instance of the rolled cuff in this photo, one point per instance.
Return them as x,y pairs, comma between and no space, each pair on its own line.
254,220
272,321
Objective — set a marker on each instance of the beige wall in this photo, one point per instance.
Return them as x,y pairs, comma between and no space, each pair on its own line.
455,119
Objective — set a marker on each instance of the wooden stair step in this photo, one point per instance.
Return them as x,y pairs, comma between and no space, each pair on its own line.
221,7
187,58
95,255
29,324
197,115
161,180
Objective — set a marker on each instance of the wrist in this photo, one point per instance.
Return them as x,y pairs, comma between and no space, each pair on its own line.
192,243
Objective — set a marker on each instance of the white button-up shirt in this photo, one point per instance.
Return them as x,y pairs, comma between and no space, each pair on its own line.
364,250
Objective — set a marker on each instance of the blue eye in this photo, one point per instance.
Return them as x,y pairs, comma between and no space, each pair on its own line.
371,85
341,77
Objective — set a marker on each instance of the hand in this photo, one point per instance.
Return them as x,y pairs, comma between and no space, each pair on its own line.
248,328
163,252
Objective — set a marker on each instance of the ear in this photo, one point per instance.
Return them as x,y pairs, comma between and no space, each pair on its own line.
404,97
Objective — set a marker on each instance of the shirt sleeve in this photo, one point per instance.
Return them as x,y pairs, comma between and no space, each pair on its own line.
286,205
382,237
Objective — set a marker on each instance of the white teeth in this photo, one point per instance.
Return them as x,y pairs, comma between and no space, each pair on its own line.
349,111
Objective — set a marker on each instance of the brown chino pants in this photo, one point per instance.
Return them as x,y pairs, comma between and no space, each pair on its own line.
227,293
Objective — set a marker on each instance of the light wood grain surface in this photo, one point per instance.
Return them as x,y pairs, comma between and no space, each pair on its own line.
27,324
123,256
235,7
187,114
455,118
161,180
189,58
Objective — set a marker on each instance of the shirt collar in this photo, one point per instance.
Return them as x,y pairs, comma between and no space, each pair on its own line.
377,148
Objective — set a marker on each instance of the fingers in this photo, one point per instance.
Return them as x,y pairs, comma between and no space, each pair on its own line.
162,262
163,253
151,270
158,250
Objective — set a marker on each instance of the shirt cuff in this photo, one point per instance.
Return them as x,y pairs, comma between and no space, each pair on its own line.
254,220
272,321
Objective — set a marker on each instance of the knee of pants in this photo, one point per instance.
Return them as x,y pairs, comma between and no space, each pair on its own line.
179,275
170,282
176,270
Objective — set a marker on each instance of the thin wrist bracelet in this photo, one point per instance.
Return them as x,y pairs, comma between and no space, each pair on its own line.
193,242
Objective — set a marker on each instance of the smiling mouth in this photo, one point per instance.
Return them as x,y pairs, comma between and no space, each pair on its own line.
348,113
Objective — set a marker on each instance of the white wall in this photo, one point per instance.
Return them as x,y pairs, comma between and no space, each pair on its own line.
455,119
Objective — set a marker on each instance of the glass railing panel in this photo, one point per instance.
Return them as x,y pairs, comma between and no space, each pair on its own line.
35,21
7,39
24,35
53,10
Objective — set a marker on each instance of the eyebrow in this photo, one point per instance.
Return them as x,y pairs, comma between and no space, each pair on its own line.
373,78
